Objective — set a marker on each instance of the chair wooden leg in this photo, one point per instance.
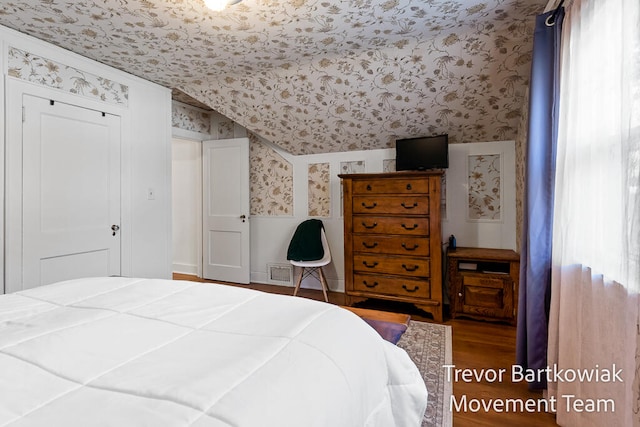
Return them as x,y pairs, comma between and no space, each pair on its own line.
297,288
323,282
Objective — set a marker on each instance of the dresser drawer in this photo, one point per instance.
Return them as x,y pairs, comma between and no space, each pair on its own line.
391,225
392,245
391,186
389,285
403,205
406,266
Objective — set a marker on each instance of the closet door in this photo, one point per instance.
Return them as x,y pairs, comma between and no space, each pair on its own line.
71,192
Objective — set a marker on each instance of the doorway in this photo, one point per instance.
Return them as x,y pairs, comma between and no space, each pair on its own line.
186,165
216,245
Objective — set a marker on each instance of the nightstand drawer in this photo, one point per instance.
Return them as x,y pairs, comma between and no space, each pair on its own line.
392,245
390,225
391,186
478,296
403,205
389,285
406,266
487,282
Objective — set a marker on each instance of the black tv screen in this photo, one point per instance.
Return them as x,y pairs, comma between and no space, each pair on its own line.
423,153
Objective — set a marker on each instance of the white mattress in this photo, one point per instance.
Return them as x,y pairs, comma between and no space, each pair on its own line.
140,352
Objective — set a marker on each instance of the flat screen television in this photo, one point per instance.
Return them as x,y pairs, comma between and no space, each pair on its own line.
423,153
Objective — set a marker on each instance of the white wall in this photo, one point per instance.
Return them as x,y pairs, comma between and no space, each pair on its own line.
151,250
3,67
270,235
145,151
480,233
187,206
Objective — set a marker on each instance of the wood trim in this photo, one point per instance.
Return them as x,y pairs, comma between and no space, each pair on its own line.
384,316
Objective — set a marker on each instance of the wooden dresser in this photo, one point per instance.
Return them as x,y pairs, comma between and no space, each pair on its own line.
392,238
483,283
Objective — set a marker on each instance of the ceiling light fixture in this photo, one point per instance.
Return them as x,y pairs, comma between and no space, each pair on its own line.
219,5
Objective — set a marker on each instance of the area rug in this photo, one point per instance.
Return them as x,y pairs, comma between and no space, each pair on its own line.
429,346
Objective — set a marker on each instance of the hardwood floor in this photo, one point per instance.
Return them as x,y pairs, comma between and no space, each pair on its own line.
476,346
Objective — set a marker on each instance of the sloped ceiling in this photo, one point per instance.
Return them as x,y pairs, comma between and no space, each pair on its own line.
315,76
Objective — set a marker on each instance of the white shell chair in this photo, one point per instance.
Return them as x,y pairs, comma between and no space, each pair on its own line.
307,268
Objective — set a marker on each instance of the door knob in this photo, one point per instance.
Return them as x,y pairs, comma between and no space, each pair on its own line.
243,217
115,228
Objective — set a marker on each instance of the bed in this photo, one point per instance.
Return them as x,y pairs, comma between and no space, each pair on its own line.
146,352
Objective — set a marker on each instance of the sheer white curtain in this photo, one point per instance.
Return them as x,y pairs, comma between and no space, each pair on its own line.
596,246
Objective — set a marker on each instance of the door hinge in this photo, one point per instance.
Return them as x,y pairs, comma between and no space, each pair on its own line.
23,114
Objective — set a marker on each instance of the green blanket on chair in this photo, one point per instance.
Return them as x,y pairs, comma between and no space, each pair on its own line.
306,243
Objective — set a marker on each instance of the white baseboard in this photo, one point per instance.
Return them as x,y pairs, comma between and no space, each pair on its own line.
185,269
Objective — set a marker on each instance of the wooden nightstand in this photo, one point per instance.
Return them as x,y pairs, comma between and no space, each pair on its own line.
483,283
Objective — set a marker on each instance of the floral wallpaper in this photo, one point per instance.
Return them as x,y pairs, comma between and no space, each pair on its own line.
315,76
357,166
521,148
190,114
443,196
271,177
189,118
271,181
319,189
388,165
32,68
225,129
484,187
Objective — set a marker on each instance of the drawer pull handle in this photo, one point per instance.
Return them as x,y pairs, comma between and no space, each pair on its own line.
368,187
374,225
406,227
414,268
409,187
372,265
415,246
415,288
373,285
369,206
415,204
369,245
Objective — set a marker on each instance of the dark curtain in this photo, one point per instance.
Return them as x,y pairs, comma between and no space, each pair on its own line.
535,256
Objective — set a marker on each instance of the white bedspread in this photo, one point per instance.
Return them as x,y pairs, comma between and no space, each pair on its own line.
138,352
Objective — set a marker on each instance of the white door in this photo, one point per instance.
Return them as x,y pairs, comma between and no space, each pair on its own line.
71,192
225,202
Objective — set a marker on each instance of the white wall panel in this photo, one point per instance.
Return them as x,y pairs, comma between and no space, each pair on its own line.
146,153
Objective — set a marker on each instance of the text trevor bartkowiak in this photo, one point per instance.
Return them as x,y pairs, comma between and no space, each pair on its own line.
550,374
